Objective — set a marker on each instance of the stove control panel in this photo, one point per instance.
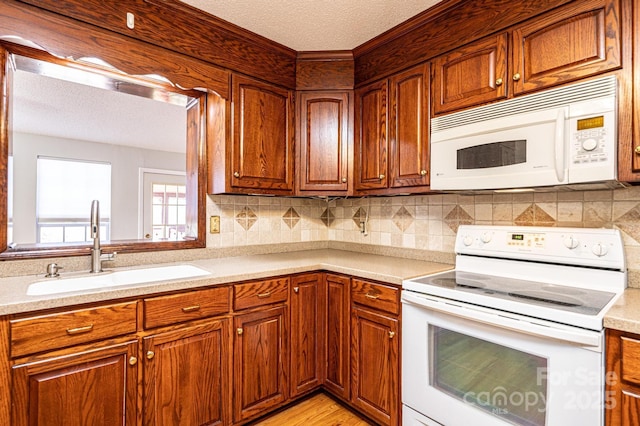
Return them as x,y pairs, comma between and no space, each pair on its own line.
575,246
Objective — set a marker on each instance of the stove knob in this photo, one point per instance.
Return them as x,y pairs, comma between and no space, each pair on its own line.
486,237
599,249
571,242
467,240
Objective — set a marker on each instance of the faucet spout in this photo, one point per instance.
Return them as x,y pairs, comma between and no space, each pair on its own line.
96,252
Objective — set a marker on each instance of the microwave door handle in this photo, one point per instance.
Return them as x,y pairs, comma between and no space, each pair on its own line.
560,146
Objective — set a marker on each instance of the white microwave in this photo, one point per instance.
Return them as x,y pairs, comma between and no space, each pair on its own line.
561,136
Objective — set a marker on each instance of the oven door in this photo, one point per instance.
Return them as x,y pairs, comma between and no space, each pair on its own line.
458,370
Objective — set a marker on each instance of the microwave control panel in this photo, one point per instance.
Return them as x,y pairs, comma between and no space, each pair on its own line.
592,138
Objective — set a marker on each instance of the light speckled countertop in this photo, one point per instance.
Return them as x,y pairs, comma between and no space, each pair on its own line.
14,297
624,315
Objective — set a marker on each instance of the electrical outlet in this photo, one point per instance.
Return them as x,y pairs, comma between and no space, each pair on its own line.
214,224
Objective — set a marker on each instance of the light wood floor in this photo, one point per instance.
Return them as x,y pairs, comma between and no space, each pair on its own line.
319,410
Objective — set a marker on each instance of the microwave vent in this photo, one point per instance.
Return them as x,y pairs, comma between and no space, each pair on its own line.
584,91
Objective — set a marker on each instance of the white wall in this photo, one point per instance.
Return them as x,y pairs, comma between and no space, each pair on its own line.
125,164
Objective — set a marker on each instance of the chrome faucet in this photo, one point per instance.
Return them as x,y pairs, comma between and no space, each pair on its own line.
96,252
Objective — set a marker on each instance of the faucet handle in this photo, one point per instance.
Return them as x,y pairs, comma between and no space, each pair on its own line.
52,270
107,257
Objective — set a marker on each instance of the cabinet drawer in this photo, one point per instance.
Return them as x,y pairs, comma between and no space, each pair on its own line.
54,331
383,297
175,308
630,357
260,293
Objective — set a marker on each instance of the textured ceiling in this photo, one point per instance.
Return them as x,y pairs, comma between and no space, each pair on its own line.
307,25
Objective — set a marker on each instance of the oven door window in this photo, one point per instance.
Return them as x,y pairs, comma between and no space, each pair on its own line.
495,154
505,382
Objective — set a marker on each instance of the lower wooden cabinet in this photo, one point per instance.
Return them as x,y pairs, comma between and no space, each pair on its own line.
260,361
337,374
186,376
622,379
87,386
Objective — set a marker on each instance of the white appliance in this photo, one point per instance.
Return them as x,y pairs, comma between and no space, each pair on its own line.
562,136
513,335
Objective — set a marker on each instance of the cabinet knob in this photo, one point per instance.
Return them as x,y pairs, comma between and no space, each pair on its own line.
381,177
296,289
344,180
240,331
150,354
391,334
133,360
637,150
423,172
236,174
516,76
499,82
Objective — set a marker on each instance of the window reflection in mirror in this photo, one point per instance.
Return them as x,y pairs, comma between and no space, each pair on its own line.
78,133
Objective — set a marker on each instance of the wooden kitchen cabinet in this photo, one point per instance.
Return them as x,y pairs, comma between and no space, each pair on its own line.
622,379
306,305
260,361
375,346
392,134
572,42
262,138
187,375
91,385
470,75
338,327
323,139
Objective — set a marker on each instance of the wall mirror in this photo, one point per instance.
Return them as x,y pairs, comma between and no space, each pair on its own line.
81,130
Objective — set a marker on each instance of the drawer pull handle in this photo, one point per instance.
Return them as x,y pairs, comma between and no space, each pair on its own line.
80,330
391,334
133,360
191,309
264,295
150,354
371,296
240,331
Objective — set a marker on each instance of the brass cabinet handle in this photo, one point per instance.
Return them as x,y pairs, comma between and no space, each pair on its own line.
391,334
516,76
381,177
264,295
371,296
80,330
133,360
150,354
344,180
637,150
423,172
240,331
296,289
236,174
193,308
499,82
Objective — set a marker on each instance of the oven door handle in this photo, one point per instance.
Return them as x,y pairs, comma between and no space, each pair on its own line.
582,337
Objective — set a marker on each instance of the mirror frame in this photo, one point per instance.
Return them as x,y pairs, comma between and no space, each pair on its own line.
196,164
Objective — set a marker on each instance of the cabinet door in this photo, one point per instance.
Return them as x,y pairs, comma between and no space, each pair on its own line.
262,136
323,141
307,331
409,128
569,43
337,350
260,361
89,387
473,74
186,376
371,144
375,367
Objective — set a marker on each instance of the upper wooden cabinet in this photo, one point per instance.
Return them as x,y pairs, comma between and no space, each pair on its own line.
392,133
471,75
323,140
569,43
261,154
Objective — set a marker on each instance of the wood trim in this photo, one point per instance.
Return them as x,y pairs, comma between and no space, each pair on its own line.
330,70
421,38
6,383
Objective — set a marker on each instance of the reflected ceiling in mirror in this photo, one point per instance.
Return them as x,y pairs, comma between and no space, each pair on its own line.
78,133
